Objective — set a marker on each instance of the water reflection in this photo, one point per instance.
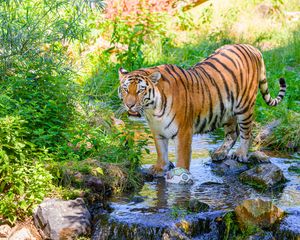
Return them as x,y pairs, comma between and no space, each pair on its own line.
219,192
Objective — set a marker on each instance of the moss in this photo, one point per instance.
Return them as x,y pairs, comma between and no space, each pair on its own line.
233,230
294,169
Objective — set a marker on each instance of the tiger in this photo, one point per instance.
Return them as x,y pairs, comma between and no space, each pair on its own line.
218,91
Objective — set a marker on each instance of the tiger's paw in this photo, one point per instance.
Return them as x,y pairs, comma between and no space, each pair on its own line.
157,171
179,176
239,157
160,171
218,155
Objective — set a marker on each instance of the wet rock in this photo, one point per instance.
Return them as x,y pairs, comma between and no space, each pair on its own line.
197,206
229,167
4,231
263,176
289,227
137,199
147,175
58,219
262,235
257,212
159,226
258,157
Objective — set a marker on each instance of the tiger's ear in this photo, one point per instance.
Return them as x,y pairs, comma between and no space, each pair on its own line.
155,77
122,72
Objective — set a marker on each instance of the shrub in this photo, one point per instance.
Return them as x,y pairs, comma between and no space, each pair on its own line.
24,180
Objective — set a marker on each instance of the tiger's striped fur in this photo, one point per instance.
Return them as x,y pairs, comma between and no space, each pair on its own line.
218,91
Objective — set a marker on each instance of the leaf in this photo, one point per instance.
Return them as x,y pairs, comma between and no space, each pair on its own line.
99,170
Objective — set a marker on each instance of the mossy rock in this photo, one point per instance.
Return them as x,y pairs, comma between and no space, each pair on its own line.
263,176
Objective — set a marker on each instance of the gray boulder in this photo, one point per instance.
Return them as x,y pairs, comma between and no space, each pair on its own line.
58,219
263,176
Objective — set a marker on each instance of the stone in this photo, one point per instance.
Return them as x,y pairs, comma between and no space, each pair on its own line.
95,184
265,10
263,176
146,174
4,231
261,235
258,213
258,157
289,227
24,231
137,199
265,132
197,206
229,167
58,219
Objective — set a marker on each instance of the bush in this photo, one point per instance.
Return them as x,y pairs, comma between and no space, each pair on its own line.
24,180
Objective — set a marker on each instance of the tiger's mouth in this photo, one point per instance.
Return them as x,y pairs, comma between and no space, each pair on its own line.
134,114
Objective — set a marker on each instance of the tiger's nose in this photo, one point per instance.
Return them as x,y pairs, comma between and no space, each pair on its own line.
130,105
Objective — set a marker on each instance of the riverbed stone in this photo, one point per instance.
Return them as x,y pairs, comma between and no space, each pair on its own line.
258,213
258,157
58,219
263,176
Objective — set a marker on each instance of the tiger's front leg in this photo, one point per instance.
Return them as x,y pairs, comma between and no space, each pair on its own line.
181,174
163,164
183,142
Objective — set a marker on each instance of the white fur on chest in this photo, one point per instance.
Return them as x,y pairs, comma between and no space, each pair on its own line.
165,126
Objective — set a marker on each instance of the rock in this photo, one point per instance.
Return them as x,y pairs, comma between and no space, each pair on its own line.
262,235
263,176
157,226
197,206
258,157
24,231
229,167
4,231
147,175
137,199
289,228
259,213
58,219
265,132
265,10
94,183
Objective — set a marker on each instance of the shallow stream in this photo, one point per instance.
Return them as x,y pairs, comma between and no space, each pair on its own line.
159,206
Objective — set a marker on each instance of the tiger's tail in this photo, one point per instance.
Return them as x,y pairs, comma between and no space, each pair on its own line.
263,86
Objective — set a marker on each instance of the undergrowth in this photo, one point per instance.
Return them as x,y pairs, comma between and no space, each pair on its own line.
58,82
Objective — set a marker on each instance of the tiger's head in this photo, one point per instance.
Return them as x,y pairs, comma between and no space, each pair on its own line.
138,91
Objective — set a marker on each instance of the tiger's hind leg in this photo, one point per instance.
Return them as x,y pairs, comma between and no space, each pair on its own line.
231,134
245,125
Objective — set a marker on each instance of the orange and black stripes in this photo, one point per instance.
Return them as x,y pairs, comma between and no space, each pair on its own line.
220,90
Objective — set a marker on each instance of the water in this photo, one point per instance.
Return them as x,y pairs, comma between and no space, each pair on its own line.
159,206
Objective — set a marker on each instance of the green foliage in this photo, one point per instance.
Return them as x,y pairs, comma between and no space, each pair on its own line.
134,37
233,230
24,180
